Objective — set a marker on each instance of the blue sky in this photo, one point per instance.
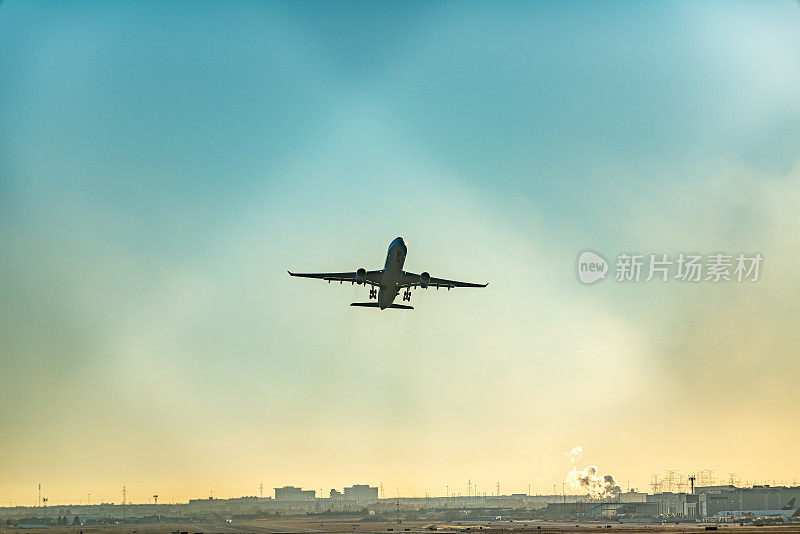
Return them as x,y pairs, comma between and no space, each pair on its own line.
163,164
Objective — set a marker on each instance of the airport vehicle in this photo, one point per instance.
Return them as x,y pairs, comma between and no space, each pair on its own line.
787,512
389,280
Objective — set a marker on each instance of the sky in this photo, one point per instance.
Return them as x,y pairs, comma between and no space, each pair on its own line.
163,164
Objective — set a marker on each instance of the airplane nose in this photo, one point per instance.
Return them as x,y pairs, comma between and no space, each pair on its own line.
398,242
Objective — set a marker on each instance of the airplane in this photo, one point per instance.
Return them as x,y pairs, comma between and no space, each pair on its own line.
787,512
389,280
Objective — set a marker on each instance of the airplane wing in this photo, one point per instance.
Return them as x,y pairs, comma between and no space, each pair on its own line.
411,280
372,278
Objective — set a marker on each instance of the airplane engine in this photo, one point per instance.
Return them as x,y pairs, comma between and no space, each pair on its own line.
361,276
424,279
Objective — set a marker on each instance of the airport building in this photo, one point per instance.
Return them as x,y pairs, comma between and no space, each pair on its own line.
707,501
714,499
703,504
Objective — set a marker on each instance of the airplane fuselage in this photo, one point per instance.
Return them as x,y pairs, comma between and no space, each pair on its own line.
392,273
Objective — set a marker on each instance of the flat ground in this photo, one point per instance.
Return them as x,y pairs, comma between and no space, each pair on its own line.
304,524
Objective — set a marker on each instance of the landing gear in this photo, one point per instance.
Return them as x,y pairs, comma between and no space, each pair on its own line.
407,295
373,293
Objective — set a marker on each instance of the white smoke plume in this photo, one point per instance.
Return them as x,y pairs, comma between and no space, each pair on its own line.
575,453
597,486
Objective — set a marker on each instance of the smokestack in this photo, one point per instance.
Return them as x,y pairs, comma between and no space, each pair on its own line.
691,482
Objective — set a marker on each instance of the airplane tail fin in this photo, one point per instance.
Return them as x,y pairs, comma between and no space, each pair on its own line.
789,505
375,305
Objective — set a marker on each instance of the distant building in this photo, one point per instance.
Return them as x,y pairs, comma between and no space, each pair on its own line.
336,495
291,493
361,494
713,499
595,510
632,496
684,505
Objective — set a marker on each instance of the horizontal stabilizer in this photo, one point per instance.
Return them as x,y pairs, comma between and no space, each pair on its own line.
375,305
